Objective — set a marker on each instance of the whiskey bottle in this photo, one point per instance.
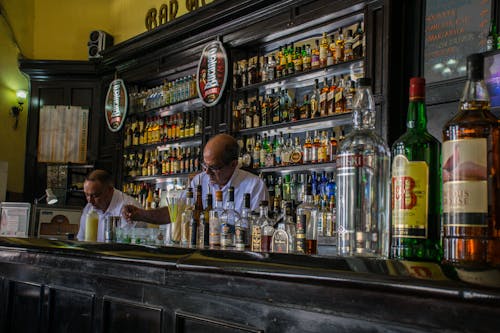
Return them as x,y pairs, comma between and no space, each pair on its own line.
256,228
203,230
315,98
363,182
416,185
307,214
471,177
323,50
241,232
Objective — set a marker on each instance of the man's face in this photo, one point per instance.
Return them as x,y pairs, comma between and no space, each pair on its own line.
98,194
218,172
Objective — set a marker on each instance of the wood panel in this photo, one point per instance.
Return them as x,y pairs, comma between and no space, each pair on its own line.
70,310
24,307
128,317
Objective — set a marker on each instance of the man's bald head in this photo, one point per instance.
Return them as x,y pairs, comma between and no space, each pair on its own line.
223,148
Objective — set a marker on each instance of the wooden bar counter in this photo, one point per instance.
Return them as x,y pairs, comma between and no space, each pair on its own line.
68,286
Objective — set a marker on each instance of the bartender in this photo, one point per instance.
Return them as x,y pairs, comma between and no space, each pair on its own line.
104,199
220,171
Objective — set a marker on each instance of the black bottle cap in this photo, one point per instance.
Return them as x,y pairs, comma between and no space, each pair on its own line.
475,66
364,81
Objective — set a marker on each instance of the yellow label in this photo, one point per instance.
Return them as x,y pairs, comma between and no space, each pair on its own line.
410,190
465,176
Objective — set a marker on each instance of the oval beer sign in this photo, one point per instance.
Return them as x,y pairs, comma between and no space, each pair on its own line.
116,105
212,73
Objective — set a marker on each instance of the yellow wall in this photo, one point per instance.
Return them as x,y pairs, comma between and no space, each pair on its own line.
54,30
13,142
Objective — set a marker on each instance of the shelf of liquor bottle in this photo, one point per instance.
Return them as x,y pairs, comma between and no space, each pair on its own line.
161,146
328,167
303,79
170,109
302,125
159,178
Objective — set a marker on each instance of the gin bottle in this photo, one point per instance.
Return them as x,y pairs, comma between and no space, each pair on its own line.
363,183
471,177
228,220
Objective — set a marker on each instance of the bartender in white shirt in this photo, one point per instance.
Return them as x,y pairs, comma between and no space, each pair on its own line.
220,171
104,199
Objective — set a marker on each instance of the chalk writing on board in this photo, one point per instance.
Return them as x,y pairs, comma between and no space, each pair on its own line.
453,30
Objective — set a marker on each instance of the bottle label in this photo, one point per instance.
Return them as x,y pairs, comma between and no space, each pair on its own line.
410,186
256,238
465,176
279,242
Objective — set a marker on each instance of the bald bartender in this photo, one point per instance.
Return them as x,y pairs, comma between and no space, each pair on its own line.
220,171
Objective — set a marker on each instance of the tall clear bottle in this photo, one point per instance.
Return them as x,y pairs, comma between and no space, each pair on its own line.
363,183
241,233
307,212
416,185
228,220
214,221
186,219
471,177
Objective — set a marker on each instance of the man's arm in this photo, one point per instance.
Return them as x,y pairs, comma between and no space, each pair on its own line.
154,216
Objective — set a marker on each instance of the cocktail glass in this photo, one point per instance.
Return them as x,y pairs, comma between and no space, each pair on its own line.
175,204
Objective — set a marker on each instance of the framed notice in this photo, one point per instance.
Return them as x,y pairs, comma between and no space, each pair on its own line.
62,134
15,217
453,30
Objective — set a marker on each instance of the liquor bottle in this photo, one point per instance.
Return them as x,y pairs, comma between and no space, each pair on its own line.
283,240
228,221
186,218
297,60
340,99
416,185
296,156
358,44
241,233
349,41
349,93
330,97
256,227
315,56
339,46
271,68
198,211
203,229
315,98
471,177
290,60
363,183
306,58
266,227
214,221
307,212
323,107
279,64
307,150
323,50
316,145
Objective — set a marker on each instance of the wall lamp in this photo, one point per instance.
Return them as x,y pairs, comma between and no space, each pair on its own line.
16,110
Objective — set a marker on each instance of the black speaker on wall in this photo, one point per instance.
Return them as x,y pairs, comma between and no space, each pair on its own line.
98,41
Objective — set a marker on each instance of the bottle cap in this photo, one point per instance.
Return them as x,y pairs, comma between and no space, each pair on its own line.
475,66
417,88
364,81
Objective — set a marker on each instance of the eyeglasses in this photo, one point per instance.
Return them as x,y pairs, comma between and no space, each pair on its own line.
211,168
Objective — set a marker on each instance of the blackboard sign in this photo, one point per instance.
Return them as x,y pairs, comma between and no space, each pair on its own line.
453,30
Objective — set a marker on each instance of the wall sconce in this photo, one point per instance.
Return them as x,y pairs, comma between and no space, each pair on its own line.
16,110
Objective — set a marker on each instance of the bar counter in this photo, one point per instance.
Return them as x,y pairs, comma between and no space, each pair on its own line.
70,286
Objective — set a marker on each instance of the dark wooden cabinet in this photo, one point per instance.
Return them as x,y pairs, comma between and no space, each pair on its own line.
64,286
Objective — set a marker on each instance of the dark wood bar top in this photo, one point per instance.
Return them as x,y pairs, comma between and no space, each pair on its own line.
106,287
359,272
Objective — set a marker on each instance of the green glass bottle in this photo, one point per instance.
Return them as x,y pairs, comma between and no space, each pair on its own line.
416,185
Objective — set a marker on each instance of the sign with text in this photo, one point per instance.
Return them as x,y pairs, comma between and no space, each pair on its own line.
169,11
211,75
453,30
116,105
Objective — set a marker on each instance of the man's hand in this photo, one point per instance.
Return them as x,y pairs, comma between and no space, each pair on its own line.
130,213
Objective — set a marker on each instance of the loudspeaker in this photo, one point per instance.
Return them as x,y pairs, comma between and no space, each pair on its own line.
98,41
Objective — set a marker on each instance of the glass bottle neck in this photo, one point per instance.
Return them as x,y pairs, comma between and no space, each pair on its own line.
417,115
263,211
363,113
475,90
